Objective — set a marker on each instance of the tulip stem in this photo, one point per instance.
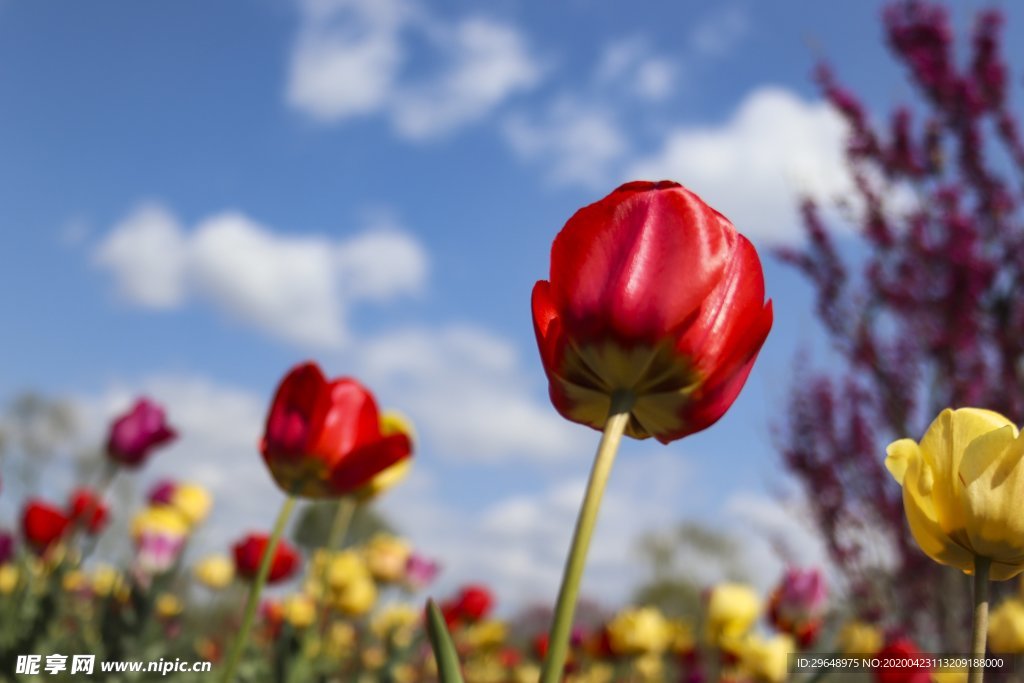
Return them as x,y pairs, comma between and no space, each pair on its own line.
257,587
343,516
565,607
982,565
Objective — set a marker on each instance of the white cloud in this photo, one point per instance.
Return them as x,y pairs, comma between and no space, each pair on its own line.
465,389
629,66
754,166
350,60
296,288
719,32
146,253
578,144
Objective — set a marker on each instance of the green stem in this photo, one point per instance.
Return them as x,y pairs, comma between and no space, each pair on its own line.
343,516
561,627
982,565
257,588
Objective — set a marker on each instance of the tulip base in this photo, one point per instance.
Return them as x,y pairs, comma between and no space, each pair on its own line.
982,565
565,608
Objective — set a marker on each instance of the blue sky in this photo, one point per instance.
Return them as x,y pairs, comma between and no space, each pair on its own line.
198,195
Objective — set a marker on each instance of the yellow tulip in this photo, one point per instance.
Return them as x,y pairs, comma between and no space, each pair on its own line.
396,623
74,581
732,610
160,519
767,659
639,631
168,606
215,572
859,638
192,501
962,487
1006,628
526,673
9,575
357,598
107,580
487,634
299,610
386,557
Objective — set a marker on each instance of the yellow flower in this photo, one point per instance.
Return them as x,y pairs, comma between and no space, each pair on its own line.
391,422
168,606
1006,628
767,659
397,623
485,634
950,676
962,486
681,640
732,610
74,581
357,598
160,519
215,572
526,673
386,557
8,578
339,640
344,568
638,631
107,580
192,501
299,610
859,638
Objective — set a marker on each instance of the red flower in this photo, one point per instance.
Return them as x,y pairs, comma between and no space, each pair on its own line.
43,525
134,435
654,293
473,603
88,510
901,649
249,553
325,439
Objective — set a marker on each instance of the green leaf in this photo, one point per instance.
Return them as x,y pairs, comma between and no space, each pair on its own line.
444,649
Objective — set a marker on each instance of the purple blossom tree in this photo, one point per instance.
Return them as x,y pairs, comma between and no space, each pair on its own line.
929,314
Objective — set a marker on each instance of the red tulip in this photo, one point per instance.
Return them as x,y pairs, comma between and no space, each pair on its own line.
325,439
473,603
249,553
43,525
134,435
901,649
654,293
88,510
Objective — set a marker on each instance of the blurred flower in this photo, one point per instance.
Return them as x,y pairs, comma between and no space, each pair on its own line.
88,510
420,571
485,635
75,581
135,434
106,581
340,638
249,552
396,624
387,557
168,606
732,609
961,488
191,500
391,422
356,598
653,292
9,575
767,659
859,638
1006,628
299,610
473,603
6,546
42,524
325,439
901,650
215,572
681,638
797,605
526,673
638,631
159,533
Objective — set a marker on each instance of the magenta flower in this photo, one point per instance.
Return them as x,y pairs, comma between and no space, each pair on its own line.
798,603
420,571
134,435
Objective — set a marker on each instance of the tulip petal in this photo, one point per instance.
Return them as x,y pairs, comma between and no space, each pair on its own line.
898,457
638,262
362,464
918,483
992,476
